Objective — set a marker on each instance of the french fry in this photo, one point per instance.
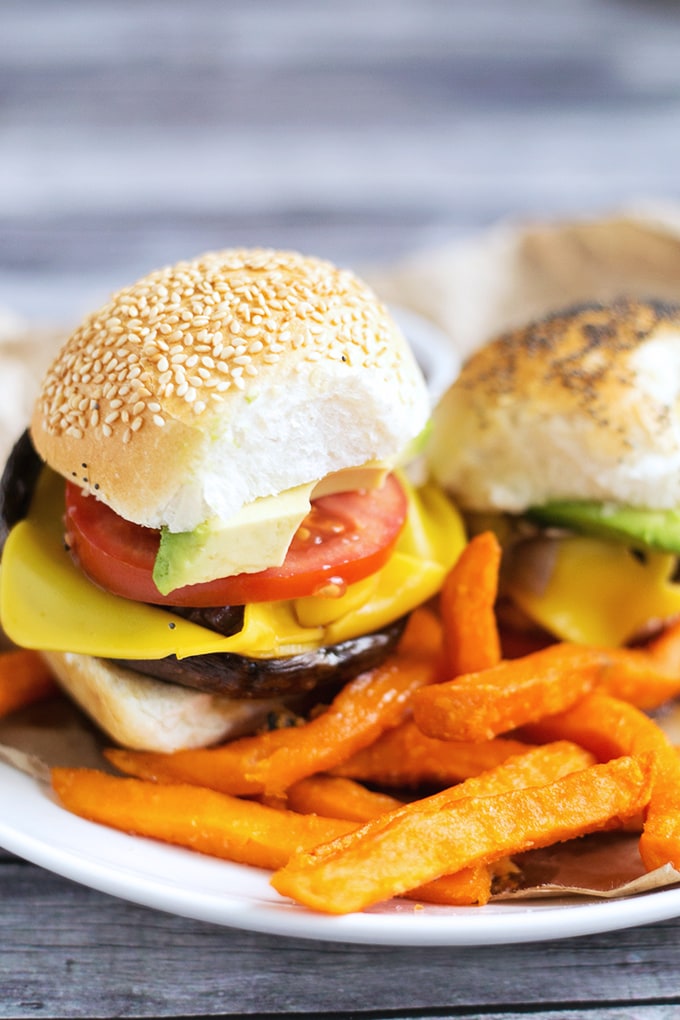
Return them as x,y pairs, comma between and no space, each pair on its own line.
336,797
479,706
665,649
467,599
533,766
24,679
468,887
423,636
223,826
415,844
272,762
472,886
405,757
332,796
199,819
610,727
645,677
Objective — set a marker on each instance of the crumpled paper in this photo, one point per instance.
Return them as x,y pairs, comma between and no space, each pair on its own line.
25,352
516,272
471,291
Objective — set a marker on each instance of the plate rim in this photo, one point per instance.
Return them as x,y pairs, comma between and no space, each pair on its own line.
397,923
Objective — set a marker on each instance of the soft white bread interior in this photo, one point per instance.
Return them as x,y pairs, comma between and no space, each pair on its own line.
216,381
149,715
583,405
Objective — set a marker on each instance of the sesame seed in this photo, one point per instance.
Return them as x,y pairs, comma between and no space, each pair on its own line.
161,343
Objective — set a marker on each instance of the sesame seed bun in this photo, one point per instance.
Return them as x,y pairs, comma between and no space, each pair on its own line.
582,405
239,374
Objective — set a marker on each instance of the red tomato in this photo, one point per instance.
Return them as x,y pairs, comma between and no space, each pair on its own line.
343,539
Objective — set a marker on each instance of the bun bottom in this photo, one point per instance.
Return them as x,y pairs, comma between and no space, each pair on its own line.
150,715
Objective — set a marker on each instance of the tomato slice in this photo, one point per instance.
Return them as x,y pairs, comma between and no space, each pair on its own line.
344,538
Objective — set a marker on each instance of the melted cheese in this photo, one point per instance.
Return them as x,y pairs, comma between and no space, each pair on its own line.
599,593
47,603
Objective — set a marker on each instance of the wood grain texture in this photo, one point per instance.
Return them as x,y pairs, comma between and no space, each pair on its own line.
69,951
136,133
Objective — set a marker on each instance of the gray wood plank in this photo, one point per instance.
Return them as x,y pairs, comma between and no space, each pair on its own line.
68,951
357,129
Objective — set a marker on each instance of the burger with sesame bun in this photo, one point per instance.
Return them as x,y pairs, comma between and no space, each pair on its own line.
207,522
564,437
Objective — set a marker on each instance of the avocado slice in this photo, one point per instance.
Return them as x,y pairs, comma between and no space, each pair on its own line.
635,526
258,536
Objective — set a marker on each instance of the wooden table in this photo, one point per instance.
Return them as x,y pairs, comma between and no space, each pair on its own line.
134,134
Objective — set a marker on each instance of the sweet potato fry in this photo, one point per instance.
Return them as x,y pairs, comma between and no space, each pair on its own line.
479,706
536,767
336,797
272,762
467,600
665,649
635,675
416,844
423,636
213,823
24,679
609,727
406,757
469,887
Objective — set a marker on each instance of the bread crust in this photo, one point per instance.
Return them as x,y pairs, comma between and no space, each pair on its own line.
150,715
584,404
236,375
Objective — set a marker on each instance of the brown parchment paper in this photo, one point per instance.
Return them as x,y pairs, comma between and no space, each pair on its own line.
471,290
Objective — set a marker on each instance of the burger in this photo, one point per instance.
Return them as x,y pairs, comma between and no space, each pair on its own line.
208,525
564,438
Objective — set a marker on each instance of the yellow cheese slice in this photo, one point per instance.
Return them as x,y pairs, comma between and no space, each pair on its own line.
47,603
600,593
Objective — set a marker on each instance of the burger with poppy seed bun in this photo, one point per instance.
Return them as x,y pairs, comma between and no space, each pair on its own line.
564,437
218,527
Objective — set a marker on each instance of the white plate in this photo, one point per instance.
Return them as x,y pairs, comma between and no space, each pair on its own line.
33,826
434,350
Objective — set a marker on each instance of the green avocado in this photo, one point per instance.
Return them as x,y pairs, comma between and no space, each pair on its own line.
645,529
256,537
177,553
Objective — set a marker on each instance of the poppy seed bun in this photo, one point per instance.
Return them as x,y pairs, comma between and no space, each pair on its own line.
239,374
583,405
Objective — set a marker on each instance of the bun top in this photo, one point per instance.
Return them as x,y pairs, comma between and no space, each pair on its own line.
583,405
239,374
